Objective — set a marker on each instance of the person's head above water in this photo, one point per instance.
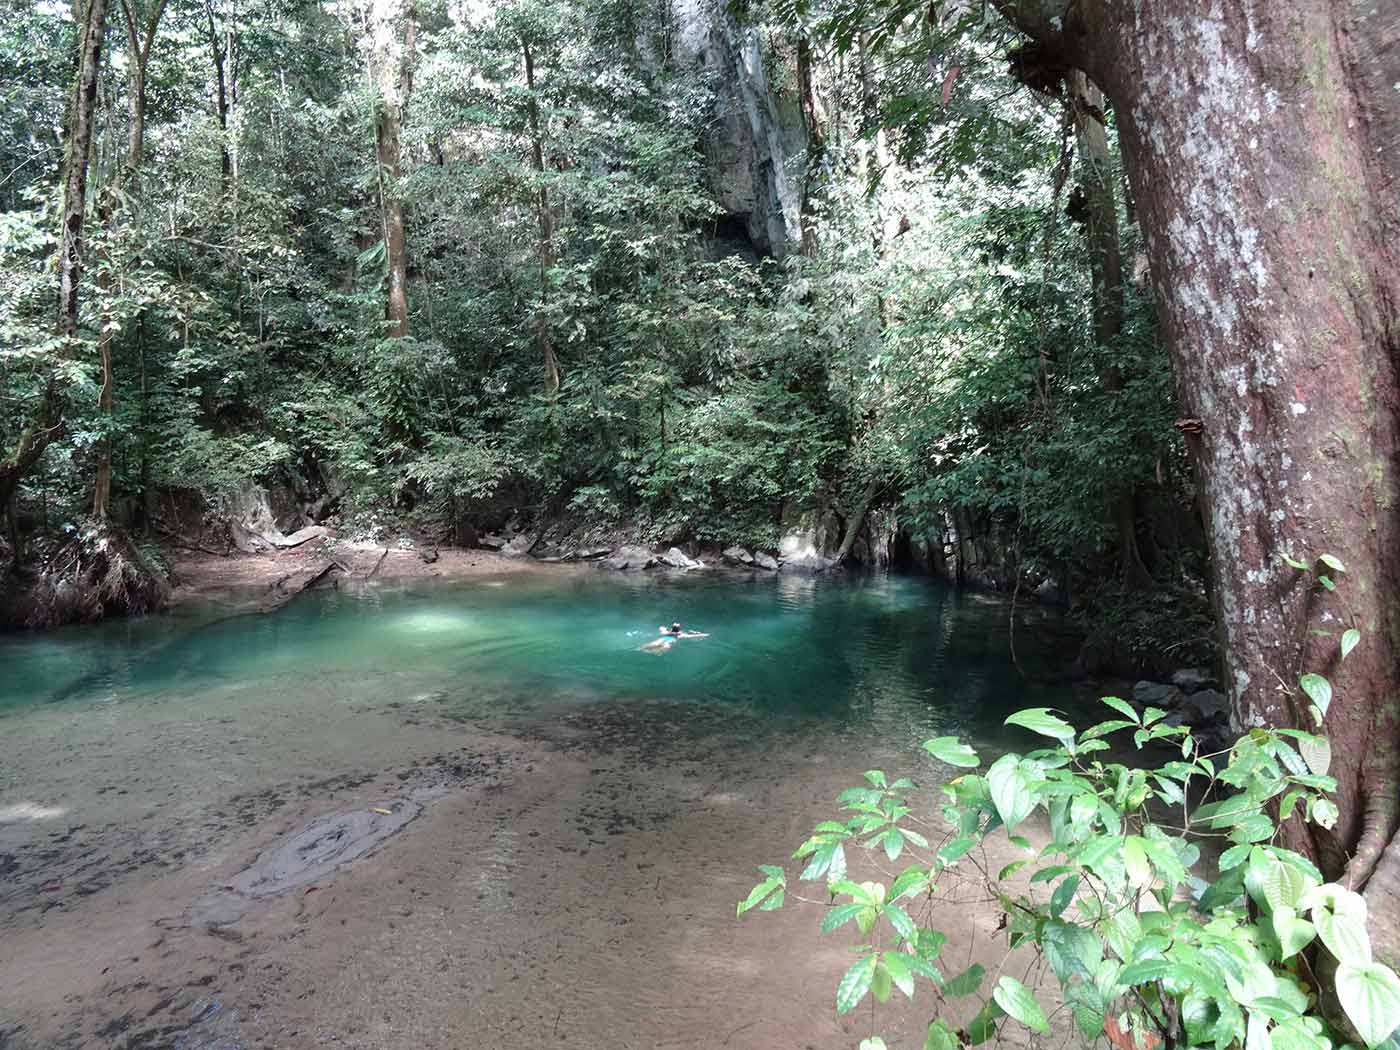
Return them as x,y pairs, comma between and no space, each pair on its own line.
675,628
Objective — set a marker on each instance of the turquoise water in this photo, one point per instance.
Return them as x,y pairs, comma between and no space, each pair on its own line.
905,652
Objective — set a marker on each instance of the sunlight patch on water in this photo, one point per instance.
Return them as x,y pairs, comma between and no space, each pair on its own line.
29,811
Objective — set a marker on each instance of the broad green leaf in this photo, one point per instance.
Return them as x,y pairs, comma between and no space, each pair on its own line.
772,885
896,964
1325,812
881,984
910,881
1326,582
1071,949
1144,972
1370,996
1064,893
940,1037
1302,566
855,984
840,915
1123,708
1294,934
1283,886
1316,752
952,750
1040,720
965,983
900,920
1135,861
1010,793
1318,689
873,1042
1350,637
1332,562
1015,998
1345,935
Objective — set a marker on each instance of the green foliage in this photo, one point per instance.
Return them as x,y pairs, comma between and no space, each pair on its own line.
1138,943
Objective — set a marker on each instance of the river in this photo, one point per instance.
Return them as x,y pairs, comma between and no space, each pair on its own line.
558,824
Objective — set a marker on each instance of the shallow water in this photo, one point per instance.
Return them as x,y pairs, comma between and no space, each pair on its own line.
143,763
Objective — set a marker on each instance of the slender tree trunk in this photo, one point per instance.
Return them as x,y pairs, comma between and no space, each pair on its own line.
1100,219
543,336
1261,141
855,521
128,177
36,434
221,50
394,30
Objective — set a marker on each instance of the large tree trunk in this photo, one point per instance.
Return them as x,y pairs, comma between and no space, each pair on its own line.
394,30
1261,148
1100,219
543,336
223,50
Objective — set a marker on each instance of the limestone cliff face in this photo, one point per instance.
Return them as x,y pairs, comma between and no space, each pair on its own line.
756,148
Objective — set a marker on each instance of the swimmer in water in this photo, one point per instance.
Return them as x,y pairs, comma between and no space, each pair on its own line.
669,637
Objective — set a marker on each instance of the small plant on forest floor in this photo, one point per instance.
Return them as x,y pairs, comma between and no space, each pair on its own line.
1144,952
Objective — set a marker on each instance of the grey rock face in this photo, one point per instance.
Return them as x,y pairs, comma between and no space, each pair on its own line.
766,561
738,556
634,558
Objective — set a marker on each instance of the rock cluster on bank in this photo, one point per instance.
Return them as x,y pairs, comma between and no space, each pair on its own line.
1192,698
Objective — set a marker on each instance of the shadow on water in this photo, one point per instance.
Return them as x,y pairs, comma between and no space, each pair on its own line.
905,652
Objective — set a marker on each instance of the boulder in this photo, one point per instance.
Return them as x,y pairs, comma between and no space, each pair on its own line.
492,542
1193,679
808,563
522,545
766,561
1206,707
592,553
631,558
1158,694
676,558
1049,592
296,539
738,556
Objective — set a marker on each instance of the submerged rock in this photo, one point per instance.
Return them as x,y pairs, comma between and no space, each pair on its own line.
322,846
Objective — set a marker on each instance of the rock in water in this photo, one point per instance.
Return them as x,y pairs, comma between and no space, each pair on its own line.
677,559
322,846
492,542
631,558
738,556
766,561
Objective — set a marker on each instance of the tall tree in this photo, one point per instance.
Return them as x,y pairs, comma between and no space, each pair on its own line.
140,37
393,32
1098,208
1261,144
545,217
35,436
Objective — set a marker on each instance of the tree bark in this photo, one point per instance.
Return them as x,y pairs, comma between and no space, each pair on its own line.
1260,142
222,49
84,107
394,31
543,337
1100,220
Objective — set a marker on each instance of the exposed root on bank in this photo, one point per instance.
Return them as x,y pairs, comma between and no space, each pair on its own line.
99,572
